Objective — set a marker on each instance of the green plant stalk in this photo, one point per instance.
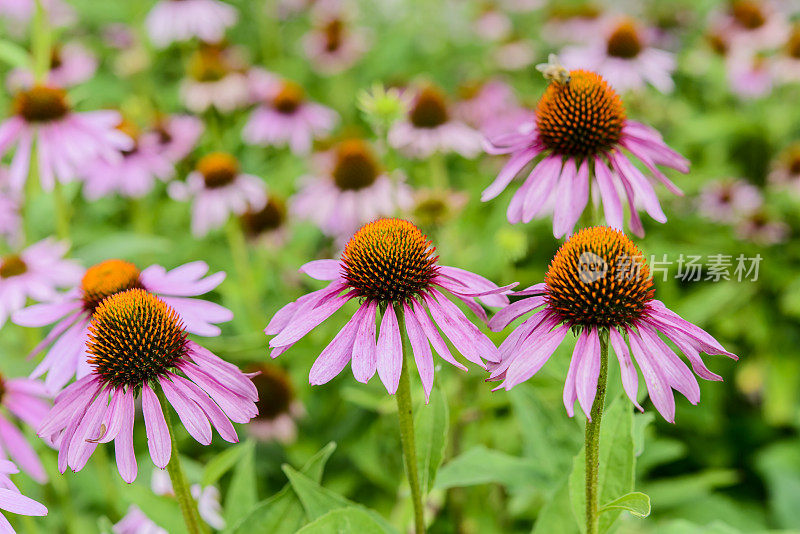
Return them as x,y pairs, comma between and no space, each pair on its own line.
62,211
40,43
406,416
592,447
179,485
437,167
241,261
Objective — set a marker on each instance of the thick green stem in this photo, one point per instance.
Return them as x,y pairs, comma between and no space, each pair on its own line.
438,171
179,485
593,441
241,260
406,416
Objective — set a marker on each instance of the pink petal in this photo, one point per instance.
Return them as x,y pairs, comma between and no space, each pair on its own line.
158,439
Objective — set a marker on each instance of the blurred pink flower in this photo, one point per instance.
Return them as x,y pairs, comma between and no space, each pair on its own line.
180,20
729,200
430,128
36,272
785,173
754,25
389,264
12,500
216,78
177,135
786,64
763,229
348,189
750,74
136,344
59,13
65,140
619,300
73,311
24,400
218,190
267,226
10,220
278,408
284,116
136,522
515,54
570,23
492,24
580,124
334,45
207,498
70,65
623,54
486,105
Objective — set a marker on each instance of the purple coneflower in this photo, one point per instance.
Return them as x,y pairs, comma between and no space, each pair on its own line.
180,20
785,172
12,500
24,399
266,226
207,498
70,65
786,66
138,346
36,273
59,13
485,105
334,45
218,189
177,135
216,79
599,285
389,265
492,24
762,228
580,129
623,55
430,128
728,201
435,207
278,408
136,522
284,116
568,22
10,220
752,24
350,189
65,140
134,174
73,312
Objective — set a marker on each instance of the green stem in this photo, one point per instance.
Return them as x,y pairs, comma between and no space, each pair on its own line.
241,261
406,416
593,441
438,171
104,469
62,211
179,485
40,43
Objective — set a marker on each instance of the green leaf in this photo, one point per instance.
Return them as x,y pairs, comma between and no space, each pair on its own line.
635,502
242,494
161,509
617,464
14,55
556,514
480,465
431,422
283,513
222,463
345,521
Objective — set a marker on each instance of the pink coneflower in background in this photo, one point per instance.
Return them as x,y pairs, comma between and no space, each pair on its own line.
348,189
266,226
762,228
180,20
786,65
65,140
278,407
58,12
599,284
750,74
207,498
70,65
492,24
752,24
216,78
137,345
218,190
177,135
136,522
334,45
728,201
73,311
36,272
487,105
284,117
624,56
430,128
23,399
568,22
435,207
581,126
785,173
389,264
514,54
10,220
12,500
134,174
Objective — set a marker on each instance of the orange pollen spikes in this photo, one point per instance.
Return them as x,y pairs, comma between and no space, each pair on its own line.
389,260
105,279
134,337
582,117
599,278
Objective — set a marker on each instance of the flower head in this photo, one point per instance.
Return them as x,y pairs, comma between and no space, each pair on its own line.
581,125
429,127
36,272
599,284
73,312
278,407
180,20
284,115
137,344
350,188
70,65
218,190
729,201
389,265
216,78
66,141
334,45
